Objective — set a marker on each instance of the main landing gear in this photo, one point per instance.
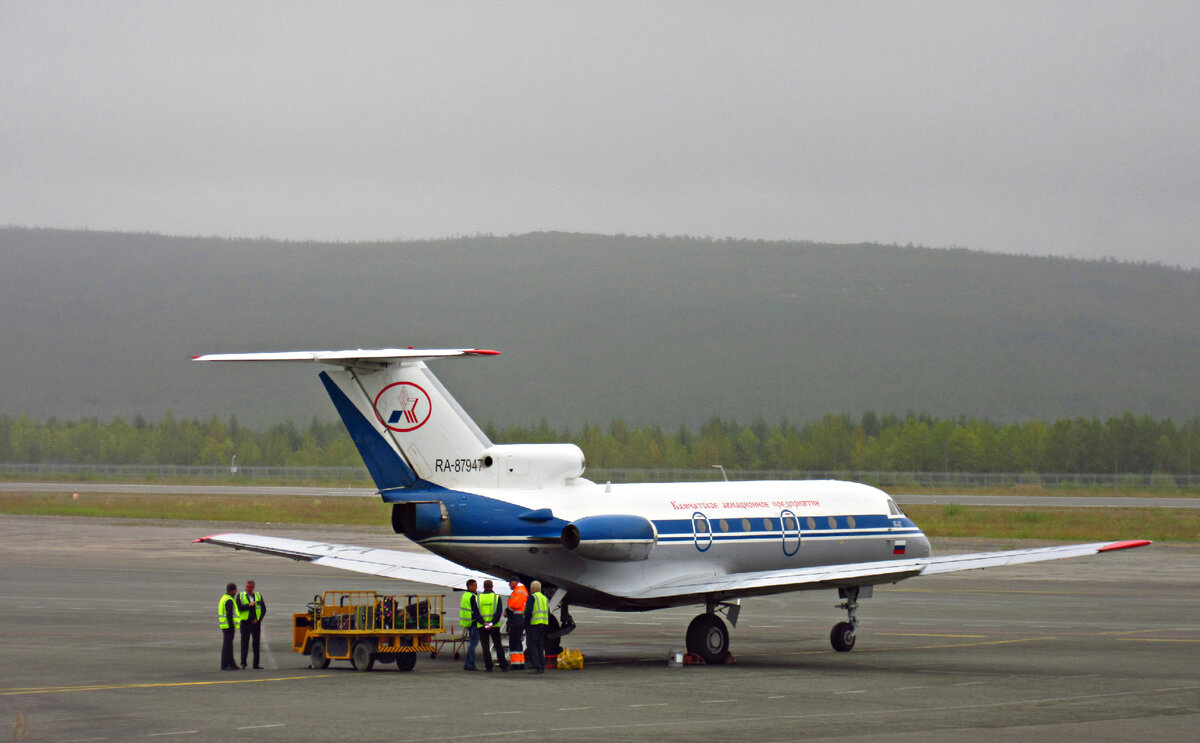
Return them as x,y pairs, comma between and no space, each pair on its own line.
560,626
707,635
843,634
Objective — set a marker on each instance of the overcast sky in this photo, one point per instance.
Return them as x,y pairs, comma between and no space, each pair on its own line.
1064,128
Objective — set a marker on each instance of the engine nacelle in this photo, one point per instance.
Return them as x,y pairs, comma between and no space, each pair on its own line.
534,465
617,538
418,517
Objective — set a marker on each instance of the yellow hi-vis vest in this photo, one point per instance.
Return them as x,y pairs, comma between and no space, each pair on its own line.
244,598
541,609
487,606
465,617
222,617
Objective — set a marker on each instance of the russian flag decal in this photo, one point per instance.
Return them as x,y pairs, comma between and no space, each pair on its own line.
898,547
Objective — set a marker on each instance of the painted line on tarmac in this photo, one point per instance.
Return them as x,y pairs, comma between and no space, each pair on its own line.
970,644
858,712
928,634
865,651
109,687
259,727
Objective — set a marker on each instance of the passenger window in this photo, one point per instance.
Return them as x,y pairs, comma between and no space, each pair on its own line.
724,525
850,521
832,522
745,524
789,523
767,525
812,523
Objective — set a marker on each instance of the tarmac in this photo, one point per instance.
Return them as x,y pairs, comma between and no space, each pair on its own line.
109,633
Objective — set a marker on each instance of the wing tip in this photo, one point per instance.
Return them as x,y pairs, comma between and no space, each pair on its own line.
1127,544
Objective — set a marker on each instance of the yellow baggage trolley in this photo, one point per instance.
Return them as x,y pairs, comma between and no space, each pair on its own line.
364,627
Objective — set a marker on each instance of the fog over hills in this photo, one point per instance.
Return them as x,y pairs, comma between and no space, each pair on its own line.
653,330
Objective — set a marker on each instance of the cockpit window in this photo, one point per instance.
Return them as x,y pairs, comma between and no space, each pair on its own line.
893,509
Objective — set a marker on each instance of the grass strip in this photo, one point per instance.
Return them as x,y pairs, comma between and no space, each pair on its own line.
950,520
284,509
1066,524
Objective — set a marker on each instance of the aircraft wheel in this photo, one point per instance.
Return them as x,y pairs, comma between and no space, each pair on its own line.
316,655
842,637
406,661
708,638
362,658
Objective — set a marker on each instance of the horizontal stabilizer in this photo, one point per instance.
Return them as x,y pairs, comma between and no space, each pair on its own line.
350,357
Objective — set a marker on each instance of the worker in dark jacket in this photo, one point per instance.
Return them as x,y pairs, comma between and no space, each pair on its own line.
537,621
491,609
251,610
227,619
469,619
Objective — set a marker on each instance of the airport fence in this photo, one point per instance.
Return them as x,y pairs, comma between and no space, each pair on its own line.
359,475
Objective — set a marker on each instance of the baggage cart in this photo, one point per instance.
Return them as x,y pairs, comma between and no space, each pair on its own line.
364,627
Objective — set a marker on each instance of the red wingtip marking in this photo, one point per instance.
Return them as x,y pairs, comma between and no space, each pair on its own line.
204,539
1124,545
483,352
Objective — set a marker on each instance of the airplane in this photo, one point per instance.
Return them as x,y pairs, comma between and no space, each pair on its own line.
526,510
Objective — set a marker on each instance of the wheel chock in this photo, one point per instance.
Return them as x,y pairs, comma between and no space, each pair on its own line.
691,659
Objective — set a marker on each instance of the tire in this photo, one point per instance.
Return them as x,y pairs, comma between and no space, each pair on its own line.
362,657
708,638
406,661
842,637
553,641
316,655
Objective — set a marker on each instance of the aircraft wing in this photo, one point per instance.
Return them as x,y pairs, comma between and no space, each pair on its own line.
860,574
418,567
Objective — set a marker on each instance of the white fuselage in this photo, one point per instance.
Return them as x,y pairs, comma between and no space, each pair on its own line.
701,529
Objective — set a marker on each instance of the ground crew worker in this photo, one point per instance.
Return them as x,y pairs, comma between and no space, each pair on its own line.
251,610
537,621
468,618
515,612
490,609
227,619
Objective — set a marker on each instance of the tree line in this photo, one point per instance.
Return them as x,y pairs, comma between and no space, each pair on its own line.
912,443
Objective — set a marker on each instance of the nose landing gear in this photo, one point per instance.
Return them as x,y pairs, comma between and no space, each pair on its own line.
843,634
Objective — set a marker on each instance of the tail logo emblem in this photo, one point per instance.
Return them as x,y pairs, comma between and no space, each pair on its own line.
403,407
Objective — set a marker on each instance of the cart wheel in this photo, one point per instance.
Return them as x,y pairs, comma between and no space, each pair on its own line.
455,655
316,655
406,661
362,658
433,655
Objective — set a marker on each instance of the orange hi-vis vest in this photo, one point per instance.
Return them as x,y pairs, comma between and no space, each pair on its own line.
517,600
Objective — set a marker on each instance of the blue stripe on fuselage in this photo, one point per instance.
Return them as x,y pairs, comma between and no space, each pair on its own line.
482,520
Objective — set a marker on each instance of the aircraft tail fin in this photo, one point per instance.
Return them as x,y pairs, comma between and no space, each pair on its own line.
408,428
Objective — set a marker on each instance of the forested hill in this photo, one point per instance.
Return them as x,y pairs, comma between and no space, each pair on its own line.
652,330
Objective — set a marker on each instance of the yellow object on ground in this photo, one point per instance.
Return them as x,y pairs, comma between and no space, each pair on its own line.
570,660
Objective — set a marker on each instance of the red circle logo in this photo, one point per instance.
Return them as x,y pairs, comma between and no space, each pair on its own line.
403,407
